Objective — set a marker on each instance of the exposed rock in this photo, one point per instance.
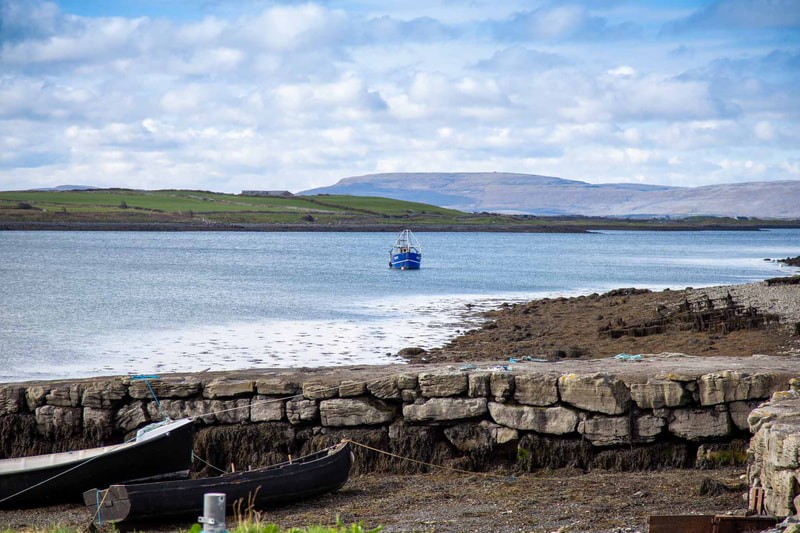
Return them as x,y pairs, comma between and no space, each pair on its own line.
407,381
445,409
104,395
410,395
648,428
265,409
734,386
655,394
201,410
130,417
98,421
441,384
552,420
502,385
228,388
11,399
606,430
171,408
697,424
170,387
478,386
35,396
300,411
315,390
536,389
385,388
276,386
483,437
782,405
351,389
65,395
600,393
355,412
740,411
231,411
58,421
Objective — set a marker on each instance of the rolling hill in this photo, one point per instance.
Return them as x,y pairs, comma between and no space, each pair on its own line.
511,193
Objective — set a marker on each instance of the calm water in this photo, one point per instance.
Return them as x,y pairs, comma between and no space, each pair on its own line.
88,303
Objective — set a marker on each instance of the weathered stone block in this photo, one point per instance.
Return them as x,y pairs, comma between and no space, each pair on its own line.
65,395
478,386
164,388
482,437
535,389
740,411
351,389
407,381
782,405
727,387
231,411
552,420
445,409
410,395
57,420
442,384
276,386
385,388
130,417
300,411
600,393
502,385
98,420
105,395
201,410
228,388
315,390
699,424
265,409
355,412
12,399
606,430
656,394
35,396
647,428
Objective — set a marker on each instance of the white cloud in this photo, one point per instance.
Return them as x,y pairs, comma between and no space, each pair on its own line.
302,94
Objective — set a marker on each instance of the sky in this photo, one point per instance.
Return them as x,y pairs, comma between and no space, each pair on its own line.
226,95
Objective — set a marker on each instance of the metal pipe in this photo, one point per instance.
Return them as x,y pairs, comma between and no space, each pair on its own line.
213,518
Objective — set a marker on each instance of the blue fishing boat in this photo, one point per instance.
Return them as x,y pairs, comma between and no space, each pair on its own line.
406,254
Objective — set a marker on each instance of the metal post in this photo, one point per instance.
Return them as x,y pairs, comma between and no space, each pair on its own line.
213,518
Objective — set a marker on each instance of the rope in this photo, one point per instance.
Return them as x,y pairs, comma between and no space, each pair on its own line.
441,467
145,379
207,463
89,460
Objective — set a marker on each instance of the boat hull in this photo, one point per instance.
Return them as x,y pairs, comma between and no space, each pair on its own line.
406,261
305,477
168,455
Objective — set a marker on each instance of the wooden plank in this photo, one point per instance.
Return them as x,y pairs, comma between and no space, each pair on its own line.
742,524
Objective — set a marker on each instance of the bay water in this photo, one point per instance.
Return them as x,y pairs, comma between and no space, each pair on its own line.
75,304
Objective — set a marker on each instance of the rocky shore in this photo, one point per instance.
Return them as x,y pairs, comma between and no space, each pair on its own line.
734,321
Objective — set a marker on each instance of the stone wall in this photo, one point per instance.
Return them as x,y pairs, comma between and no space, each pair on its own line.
774,473
660,411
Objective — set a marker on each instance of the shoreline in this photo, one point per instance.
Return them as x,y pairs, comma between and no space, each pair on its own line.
555,227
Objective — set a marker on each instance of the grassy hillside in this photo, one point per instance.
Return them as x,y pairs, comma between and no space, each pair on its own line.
176,209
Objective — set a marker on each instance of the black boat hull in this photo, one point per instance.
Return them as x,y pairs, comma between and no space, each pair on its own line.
168,455
308,476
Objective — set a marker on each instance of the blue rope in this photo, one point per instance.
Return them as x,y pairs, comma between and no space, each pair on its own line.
145,379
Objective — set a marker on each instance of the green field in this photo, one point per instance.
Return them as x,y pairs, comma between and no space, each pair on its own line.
193,208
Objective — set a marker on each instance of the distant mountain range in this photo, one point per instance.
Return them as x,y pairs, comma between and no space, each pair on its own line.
501,192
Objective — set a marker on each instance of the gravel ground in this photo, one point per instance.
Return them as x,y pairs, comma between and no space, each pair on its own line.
559,500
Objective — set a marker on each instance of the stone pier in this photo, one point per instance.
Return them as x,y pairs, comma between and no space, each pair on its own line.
667,410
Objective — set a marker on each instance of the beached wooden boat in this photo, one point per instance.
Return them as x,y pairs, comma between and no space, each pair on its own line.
162,450
311,475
